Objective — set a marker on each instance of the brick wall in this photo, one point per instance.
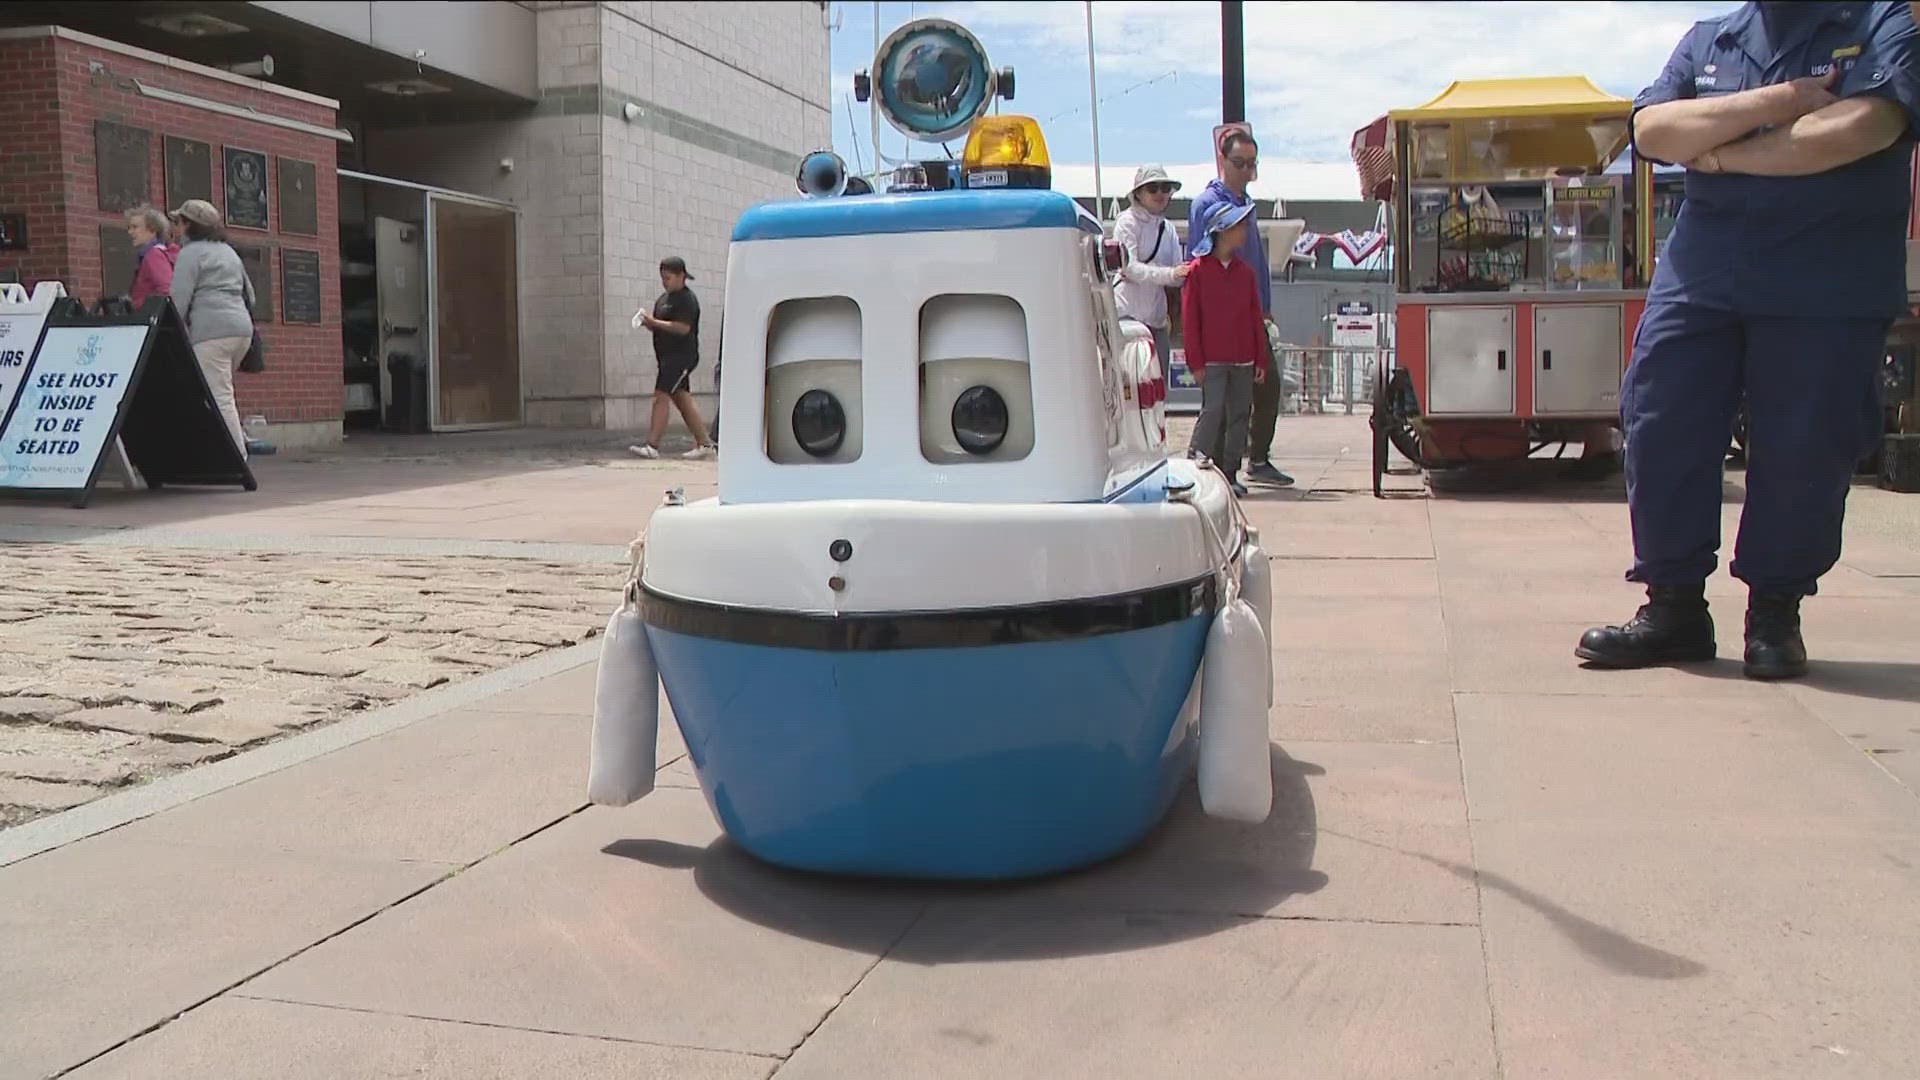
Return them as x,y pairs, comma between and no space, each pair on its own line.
71,84
30,158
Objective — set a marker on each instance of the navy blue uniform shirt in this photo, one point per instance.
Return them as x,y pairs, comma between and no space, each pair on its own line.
1830,244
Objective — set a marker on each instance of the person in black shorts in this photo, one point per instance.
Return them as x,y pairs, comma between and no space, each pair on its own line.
675,323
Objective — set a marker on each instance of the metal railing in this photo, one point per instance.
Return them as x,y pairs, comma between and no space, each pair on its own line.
1320,379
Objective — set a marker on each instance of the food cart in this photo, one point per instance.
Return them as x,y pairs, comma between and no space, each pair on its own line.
1521,264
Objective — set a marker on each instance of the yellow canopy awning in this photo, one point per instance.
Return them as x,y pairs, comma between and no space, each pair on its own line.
1549,95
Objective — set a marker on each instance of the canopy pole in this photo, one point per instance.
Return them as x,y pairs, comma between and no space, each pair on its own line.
1093,99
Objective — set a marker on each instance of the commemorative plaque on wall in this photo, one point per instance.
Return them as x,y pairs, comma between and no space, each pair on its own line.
299,201
120,164
246,176
116,261
258,260
189,170
13,232
300,277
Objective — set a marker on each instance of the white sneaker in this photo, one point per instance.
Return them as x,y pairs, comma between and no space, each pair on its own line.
699,453
643,450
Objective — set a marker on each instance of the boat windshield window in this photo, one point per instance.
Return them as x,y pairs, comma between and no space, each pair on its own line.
976,386
814,408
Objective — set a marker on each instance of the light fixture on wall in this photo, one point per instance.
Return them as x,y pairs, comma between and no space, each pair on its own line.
193,24
255,69
407,87
632,112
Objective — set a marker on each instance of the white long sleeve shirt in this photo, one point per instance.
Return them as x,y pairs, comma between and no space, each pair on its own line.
1141,292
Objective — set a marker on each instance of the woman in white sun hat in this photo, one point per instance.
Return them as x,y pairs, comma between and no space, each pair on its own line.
1154,259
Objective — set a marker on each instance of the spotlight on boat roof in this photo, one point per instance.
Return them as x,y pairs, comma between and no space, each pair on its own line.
931,80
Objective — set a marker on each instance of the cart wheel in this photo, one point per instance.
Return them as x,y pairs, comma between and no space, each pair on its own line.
1379,425
1394,421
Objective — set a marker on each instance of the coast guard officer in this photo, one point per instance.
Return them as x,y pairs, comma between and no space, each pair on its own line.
1795,122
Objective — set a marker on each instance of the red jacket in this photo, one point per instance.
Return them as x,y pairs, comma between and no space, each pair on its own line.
1220,314
154,275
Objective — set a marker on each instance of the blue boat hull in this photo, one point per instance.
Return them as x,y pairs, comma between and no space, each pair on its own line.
969,763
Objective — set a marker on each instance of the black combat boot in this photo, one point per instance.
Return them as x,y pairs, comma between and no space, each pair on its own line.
1672,627
1774,648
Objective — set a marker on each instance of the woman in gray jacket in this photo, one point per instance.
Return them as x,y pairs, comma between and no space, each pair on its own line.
214,296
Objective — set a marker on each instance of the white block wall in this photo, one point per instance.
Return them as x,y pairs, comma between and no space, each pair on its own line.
604,199
755,71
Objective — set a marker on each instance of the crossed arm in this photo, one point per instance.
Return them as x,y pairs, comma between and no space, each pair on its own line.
1810,131
1840,134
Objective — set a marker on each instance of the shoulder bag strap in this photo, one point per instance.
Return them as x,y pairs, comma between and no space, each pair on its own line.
1158,239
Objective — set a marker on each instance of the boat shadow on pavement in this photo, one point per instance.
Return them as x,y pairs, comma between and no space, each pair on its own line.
1191,877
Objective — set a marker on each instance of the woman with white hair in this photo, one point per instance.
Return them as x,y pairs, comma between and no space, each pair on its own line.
152,255
1155,262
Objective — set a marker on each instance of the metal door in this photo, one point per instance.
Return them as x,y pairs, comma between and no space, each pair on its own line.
1470,361
474,291
1576,359
399,255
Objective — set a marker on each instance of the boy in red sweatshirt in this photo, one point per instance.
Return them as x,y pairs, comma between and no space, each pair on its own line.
1226,338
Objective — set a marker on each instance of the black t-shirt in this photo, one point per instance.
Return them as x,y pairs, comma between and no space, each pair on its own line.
680,307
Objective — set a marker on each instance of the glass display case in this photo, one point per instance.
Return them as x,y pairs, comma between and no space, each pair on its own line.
1584,234
1507,189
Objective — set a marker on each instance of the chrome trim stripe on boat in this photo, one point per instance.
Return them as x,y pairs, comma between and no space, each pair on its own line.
1057,620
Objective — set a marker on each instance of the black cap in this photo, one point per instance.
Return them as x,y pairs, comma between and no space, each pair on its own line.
676,264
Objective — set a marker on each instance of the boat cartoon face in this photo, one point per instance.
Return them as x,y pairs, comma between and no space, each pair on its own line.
950,346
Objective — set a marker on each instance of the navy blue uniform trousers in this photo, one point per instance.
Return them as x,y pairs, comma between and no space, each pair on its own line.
1813,397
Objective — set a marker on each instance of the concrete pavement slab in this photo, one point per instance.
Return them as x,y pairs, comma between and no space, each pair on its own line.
977,989
1370,624
448,789
1689,950
1532,758
1874,705
1374,578
1882,558
630,924
1829,621
1360,695
235,1036
103,939
569,692
1541,661
1343,540
1345,818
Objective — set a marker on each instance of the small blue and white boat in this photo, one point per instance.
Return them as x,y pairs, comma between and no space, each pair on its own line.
949,613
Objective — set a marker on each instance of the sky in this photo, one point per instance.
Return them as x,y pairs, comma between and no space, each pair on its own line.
1315,72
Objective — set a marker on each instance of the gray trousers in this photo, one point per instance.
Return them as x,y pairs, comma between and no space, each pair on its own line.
1226,408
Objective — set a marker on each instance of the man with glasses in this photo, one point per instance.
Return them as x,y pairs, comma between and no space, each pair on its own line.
1240,165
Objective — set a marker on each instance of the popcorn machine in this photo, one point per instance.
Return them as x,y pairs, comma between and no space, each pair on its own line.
1523,245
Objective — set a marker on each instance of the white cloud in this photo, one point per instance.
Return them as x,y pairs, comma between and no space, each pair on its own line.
1317,71
1288,179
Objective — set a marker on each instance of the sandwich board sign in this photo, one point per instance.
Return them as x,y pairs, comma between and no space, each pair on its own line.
1354,326
92,379
21,318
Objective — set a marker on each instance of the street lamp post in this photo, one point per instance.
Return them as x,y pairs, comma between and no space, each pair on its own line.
1233,64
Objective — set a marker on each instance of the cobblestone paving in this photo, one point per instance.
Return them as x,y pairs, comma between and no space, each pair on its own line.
120,665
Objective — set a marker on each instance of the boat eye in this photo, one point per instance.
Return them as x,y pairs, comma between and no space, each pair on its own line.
819,423
980,419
